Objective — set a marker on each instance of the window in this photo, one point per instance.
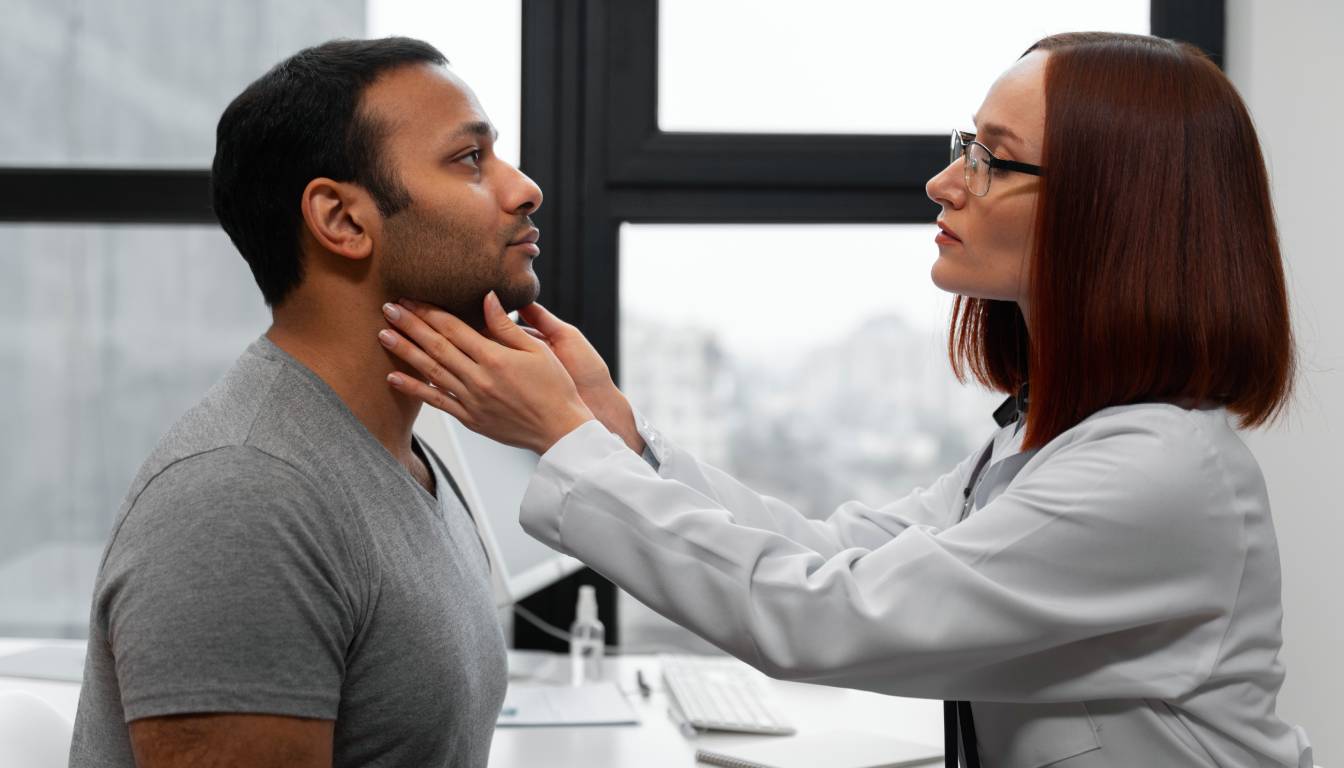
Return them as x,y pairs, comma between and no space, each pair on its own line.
129,302
807,360
113,332
646,120
856,66
483,43
114,329
141,83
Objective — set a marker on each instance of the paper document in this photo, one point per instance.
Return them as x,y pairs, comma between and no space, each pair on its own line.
834,749
593,704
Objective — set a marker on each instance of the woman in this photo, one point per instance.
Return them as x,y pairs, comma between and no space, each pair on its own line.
1102,581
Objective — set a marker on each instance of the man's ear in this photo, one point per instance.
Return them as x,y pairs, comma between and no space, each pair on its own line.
342,217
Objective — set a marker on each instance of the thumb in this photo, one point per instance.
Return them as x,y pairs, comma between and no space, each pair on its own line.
501,327
540,318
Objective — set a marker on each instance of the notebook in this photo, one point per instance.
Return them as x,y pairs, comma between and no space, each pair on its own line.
594,704
833,749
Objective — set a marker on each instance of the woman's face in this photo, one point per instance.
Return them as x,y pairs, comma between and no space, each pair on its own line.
984,243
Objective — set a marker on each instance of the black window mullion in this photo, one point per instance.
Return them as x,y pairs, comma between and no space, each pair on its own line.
744,205
1200,22
105,195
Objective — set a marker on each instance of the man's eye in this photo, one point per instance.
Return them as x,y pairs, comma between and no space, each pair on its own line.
472,158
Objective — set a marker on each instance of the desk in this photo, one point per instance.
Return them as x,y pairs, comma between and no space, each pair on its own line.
655,743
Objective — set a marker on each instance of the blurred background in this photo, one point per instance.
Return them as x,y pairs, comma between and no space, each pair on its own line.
803,351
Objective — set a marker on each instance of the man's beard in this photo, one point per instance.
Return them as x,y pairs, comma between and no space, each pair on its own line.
439,261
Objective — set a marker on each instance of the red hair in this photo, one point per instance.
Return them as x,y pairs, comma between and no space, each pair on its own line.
1155,273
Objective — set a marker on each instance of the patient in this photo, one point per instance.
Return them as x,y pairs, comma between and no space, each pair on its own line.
292,579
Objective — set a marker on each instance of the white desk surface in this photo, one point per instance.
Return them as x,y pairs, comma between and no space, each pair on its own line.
656,742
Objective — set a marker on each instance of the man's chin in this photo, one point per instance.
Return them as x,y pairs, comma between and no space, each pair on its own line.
518,295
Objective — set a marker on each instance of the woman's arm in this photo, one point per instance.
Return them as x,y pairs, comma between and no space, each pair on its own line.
1107,570
441,341
852,524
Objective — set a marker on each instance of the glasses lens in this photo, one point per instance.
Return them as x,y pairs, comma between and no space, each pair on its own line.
976,170
957,147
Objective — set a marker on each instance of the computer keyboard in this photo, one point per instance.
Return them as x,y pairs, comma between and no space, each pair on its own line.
721,694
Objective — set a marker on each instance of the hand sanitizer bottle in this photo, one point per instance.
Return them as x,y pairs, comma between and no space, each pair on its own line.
587,639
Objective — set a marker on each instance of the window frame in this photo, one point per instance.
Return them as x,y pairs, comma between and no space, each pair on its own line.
590,138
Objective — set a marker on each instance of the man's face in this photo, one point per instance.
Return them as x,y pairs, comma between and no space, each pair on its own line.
460,236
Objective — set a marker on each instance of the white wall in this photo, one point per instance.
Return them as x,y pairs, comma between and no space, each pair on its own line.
1288,61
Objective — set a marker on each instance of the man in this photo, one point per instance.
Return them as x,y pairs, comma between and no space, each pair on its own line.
293,580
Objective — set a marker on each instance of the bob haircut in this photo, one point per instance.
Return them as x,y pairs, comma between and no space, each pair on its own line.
1155,272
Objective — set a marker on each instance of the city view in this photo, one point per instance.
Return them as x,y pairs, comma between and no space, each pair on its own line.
869,416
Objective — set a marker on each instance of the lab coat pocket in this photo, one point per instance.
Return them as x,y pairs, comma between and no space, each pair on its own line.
1034,735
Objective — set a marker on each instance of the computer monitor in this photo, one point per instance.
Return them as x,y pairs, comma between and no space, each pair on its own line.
493,477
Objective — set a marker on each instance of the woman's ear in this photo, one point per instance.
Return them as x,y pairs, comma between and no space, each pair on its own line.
341,217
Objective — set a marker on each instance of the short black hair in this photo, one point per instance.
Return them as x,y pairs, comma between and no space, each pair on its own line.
300,121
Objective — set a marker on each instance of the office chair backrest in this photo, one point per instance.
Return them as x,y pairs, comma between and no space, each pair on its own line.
32,733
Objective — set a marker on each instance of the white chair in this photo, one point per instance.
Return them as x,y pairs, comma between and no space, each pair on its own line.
32,733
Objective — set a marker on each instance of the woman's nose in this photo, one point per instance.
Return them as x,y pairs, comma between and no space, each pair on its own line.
948,189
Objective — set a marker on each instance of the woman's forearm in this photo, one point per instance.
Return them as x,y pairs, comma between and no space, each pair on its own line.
611,407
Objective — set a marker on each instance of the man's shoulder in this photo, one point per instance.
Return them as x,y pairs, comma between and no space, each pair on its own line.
234,437
231,470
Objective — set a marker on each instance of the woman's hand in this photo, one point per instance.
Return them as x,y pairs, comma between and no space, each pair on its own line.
589,371
510,387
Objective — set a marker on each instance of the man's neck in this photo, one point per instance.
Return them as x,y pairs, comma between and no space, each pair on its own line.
342,349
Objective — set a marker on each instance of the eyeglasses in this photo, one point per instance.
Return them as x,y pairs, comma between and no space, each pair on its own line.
980,161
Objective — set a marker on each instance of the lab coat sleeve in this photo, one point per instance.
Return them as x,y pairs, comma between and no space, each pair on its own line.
853,524
1108,569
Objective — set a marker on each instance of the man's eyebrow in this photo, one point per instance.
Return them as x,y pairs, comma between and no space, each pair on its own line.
477,129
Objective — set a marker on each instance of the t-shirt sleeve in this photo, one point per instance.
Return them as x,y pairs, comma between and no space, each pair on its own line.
231,587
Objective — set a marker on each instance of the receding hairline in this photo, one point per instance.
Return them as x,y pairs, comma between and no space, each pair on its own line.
386,123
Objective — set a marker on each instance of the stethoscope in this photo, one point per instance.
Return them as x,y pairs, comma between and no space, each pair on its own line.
957,719
1010,411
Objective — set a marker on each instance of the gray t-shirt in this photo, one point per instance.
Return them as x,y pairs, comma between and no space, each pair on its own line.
272,557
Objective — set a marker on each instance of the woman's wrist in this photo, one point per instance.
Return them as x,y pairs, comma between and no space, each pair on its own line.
610,407
577,417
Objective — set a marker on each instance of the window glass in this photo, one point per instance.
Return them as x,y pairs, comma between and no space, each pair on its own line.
809,361
484,46
851,66
142,83
112,333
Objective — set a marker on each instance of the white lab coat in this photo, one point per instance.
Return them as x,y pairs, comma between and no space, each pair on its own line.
1117,604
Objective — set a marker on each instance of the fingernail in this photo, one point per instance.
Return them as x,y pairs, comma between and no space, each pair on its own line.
388,339
392,311
493,299
394,379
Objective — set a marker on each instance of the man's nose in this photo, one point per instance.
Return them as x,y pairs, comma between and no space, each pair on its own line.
524,196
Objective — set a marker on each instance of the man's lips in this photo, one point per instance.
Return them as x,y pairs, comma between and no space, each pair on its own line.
530,237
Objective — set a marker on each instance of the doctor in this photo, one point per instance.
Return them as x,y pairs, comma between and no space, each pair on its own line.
1100,585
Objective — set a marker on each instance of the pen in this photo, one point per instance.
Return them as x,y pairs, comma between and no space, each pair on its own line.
683,725
644,689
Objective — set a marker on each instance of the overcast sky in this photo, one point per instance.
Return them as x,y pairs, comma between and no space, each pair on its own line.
776,287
